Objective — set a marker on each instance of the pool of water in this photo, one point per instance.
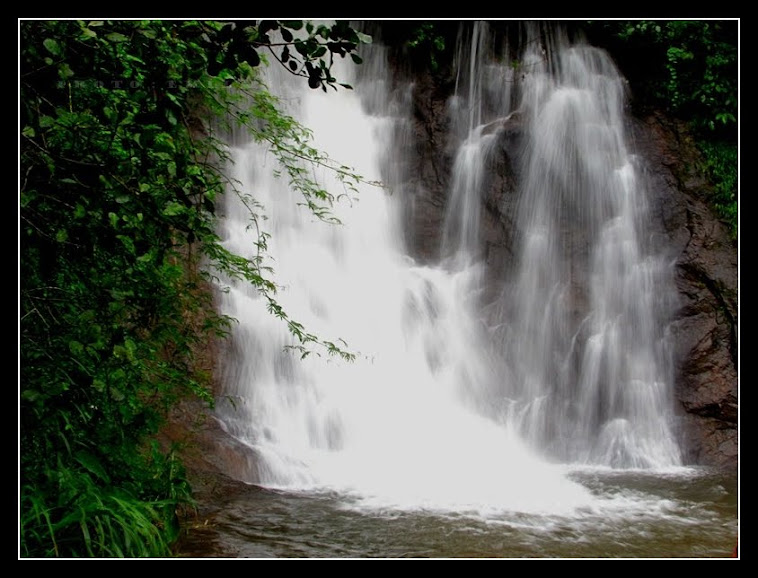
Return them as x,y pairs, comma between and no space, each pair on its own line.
686,513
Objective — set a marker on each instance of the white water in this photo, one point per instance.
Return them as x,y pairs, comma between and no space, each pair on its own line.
444,409
587,310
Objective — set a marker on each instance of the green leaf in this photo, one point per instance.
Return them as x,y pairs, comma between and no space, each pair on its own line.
92,465
293,24
173,209
128,243
52,46
31,395
131,347
116,37
87,33
75,347
64,71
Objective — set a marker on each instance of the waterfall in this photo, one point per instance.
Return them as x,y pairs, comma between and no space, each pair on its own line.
588,301
445,407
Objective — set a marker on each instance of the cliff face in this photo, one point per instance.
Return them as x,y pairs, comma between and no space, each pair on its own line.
705,325
706,266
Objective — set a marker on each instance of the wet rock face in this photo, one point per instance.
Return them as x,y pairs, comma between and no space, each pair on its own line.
705,325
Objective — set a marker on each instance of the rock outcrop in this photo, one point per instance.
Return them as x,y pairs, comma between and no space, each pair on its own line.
706,265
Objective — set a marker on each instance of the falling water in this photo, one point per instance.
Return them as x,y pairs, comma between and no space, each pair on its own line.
588,302
446,408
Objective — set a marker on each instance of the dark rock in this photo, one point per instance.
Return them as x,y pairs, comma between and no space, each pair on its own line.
706,276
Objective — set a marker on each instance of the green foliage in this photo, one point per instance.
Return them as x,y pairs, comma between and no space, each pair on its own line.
427,40
688,68
91,515
700,64
119,178
721,167
307,60
426,45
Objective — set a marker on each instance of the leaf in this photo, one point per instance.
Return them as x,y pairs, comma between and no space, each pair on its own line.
128,243
252,57
293,24
364,38
64,71
52,46
92,465
87,33
173,209
301,47
131,347
31,395
116,37
357,59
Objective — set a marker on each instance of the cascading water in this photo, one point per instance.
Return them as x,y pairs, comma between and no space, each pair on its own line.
587,305
445,408
399,426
